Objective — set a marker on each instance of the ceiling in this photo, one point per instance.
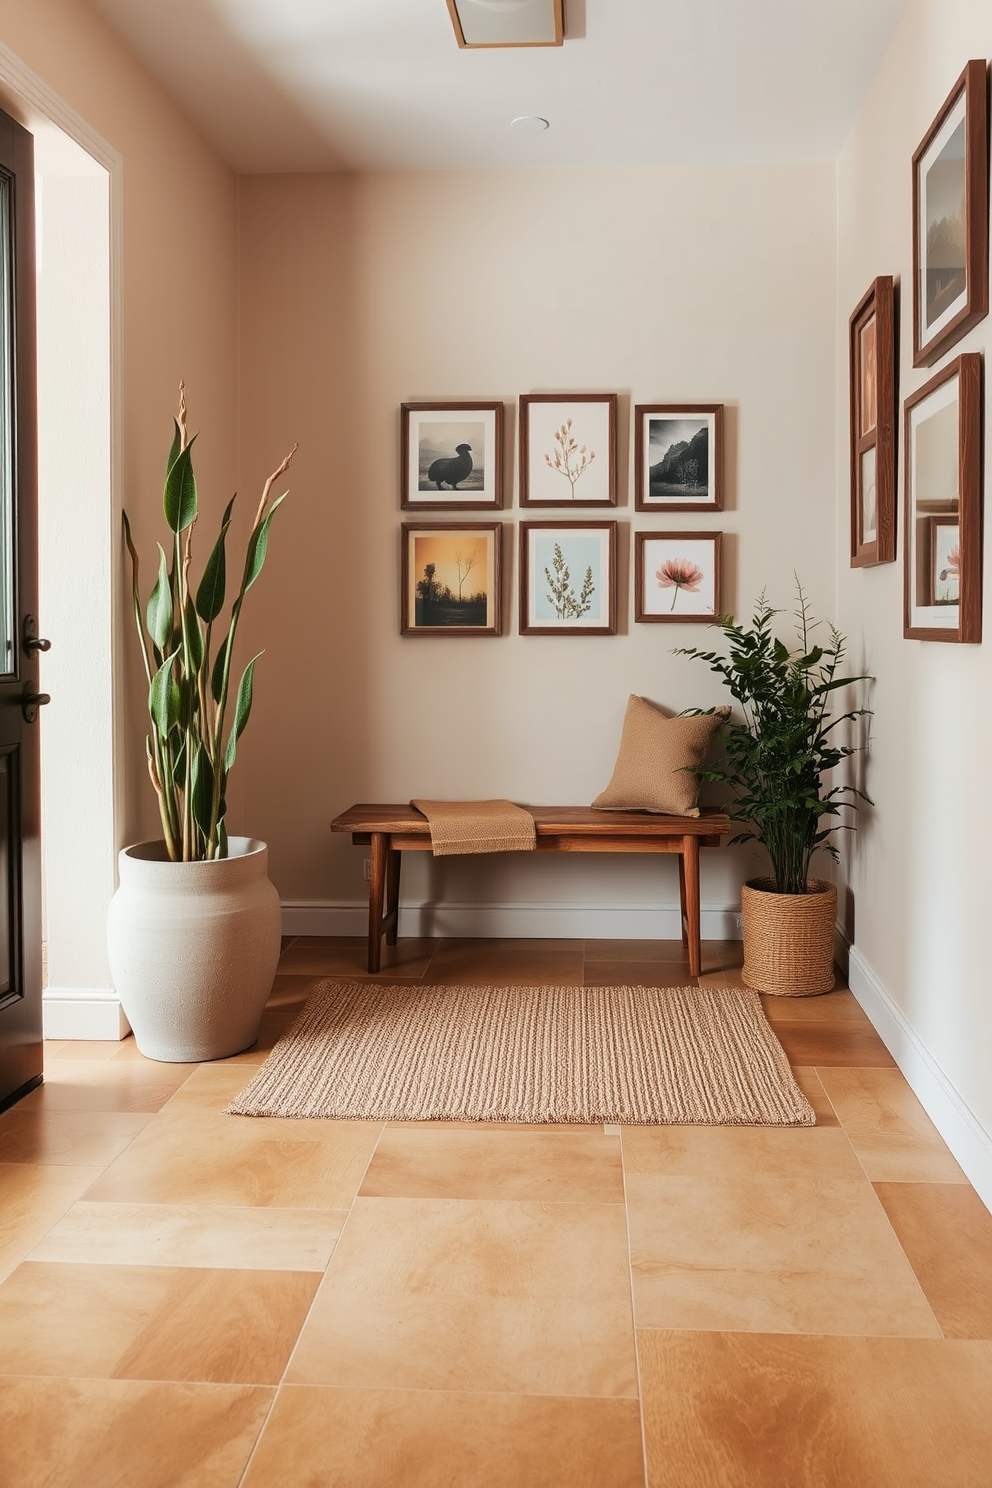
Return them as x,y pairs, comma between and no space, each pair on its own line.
305,85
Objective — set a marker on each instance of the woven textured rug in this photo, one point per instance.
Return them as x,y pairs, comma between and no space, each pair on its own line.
632,1055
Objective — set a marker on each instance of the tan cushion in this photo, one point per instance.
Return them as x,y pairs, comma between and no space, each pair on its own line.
650,773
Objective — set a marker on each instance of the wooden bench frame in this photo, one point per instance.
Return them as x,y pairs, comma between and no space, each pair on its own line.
391,830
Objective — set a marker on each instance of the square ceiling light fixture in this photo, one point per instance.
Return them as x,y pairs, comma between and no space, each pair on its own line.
508,23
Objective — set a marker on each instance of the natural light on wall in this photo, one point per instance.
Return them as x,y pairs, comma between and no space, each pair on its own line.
503,23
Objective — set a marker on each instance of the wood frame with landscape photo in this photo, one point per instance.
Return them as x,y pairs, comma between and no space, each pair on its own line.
678,457
685,565
451,456
951,219
558,437
872,368
436,561
558,604
943,490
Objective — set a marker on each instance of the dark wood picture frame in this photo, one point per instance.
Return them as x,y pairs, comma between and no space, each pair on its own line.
647,614
532,624
965,509
415,494
581,450
712,414
935,334
437,614
872,368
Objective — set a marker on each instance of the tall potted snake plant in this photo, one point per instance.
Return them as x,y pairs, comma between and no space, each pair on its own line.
779,758
194,928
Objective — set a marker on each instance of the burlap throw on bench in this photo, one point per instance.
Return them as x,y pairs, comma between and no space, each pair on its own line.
477,827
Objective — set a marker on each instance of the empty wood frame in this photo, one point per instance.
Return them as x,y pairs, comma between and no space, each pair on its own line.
951,220
943,511
872,360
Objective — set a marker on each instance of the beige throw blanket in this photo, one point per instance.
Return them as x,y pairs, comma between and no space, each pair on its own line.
478,827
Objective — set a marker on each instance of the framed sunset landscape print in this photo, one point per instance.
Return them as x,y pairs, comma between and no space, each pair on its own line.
678,457
676,577
951,219
450,578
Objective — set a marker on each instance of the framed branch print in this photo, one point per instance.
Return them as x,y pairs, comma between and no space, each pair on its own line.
568,578
451,456
676,577
872,366
450,578
951,220
678,457
568,449
943,520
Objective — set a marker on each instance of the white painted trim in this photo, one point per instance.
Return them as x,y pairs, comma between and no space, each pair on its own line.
960,1128
83,1013
525,920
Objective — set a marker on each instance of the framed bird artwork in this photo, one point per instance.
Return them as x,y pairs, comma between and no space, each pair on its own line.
451,456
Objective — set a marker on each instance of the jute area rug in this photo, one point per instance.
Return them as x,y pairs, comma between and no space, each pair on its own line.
635,1056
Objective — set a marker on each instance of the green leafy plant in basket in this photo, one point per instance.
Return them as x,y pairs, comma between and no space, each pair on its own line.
191,747
777,757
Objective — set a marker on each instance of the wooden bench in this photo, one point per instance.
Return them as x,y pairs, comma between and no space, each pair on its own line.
391,830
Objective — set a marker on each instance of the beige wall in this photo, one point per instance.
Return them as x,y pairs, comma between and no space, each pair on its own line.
359,293
922,895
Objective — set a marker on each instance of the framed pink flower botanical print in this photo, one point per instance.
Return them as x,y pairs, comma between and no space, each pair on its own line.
676,577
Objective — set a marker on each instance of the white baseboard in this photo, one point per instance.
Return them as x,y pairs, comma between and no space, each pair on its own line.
964,1134
527,920
83,1013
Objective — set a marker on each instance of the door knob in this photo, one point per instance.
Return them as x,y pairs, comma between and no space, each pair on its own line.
31,701
31,640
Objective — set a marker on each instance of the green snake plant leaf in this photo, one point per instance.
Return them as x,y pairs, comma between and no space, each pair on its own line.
177,444
203,790
179,498
163,698
217,675
241,712
179,767
158,617
194,640
258,545
210,595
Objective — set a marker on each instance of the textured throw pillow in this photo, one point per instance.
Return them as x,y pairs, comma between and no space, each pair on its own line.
650,773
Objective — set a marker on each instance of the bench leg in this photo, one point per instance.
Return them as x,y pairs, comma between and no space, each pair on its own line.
392,895
377,884
690,860
683,918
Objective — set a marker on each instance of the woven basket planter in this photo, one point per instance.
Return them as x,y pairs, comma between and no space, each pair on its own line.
789,938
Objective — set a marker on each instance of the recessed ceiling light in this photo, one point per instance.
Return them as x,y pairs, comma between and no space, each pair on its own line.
507,23
529,124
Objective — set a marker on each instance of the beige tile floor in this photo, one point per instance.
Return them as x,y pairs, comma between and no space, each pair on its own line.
192,1300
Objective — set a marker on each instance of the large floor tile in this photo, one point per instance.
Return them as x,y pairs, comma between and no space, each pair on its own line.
192,1158
151,1322
31,1200
839,1006
193,1235
98,1049
726,1151
752,1411
463,1295
507,963
827,1043
637,974
811,1085
342,956
636,950
797,1254
76,1138
889,1129
426,1439
550,1163
209,1088
126,1434
106,1085
946,1231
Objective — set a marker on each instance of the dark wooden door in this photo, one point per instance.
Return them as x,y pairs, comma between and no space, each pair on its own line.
20,846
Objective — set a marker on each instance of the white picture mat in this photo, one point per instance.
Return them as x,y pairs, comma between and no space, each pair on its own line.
659,600
425,423
581,547
930,460
590,427
931,328
445,573
653,453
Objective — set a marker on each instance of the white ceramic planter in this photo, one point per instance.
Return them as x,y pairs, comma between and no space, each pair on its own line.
194,948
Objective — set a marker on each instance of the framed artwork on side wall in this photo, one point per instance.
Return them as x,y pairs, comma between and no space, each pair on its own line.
943,514
678,457
568,449
450,578
676,576
951,220
451,456
872,365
